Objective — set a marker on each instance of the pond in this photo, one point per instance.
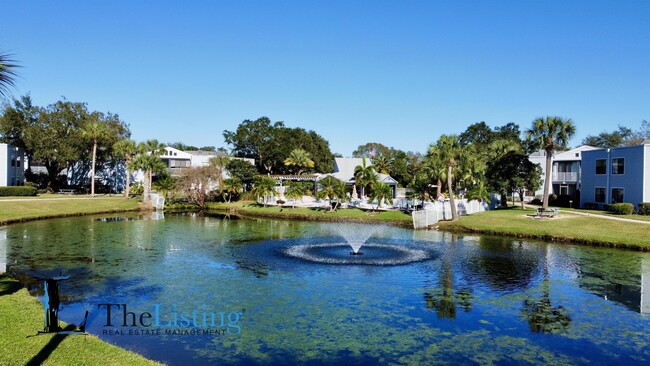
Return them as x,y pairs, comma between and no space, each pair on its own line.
227,290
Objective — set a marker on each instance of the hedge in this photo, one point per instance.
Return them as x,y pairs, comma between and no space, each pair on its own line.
644,208
17,191
624,208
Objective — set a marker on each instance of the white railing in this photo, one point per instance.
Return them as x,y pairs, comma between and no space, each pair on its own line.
436,211
565,176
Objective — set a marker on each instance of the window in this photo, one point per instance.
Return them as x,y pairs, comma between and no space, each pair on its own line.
600,195
601,166
617,195
618,166
13,162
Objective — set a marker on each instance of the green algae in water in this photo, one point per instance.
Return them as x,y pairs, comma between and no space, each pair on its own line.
470,303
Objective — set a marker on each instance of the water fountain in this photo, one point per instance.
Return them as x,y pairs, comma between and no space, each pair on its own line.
355,236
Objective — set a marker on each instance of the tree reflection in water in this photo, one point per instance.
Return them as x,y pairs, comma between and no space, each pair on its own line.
540,313
443,299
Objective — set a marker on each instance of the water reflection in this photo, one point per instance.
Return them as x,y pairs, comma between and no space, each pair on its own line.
503,264
622,277
442,299
541,314
496,291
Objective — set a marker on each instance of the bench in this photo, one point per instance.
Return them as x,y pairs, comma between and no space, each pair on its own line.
541,212
67,191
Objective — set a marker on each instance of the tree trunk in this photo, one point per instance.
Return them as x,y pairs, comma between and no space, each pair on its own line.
127,189
146,196
92,171
547,180
452,202
504,199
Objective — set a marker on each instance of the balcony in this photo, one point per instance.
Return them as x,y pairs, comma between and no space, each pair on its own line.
565,176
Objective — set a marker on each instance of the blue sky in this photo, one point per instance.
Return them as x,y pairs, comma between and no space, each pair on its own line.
396,72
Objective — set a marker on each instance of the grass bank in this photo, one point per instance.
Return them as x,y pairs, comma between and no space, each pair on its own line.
248,208
566,227
24,209
21,316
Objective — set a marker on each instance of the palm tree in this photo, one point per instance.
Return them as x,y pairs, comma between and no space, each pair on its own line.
7,74
295,191
232,186
550,133
364,175
381,164
448,150
148,160
219,163
264,187
541,314
331,188
479,192
380,192
96,131
165,185
299,158
126,149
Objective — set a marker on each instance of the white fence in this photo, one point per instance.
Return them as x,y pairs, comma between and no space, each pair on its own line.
436,211
157,201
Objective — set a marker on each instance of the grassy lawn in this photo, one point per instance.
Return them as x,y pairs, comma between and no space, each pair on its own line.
28,209
566,227
316,214
21,316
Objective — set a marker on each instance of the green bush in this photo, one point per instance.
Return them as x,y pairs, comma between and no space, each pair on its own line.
17,191
621,208
644,208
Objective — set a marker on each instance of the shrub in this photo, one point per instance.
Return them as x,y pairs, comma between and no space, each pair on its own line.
643,208
17,191
280,202
621,208
536,201
247,196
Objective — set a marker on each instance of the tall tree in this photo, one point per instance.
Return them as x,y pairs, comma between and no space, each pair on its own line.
550,134
370,150
219,163
96,132
270,144
126,150
449,150
148,160
617,138
364,174
300,159
7,73
242,170
52,136
514,172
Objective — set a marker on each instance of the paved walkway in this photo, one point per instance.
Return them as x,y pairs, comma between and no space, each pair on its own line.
57,198
608,217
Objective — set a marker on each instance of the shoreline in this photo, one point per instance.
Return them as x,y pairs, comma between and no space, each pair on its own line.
503,226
